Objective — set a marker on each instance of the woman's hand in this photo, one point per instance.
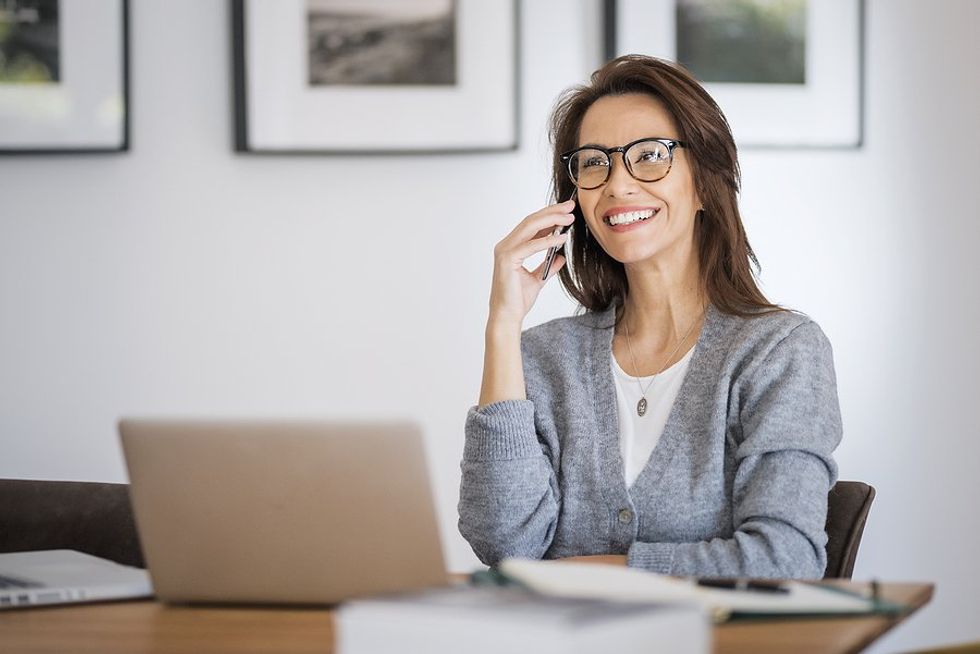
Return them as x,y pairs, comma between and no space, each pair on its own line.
512,295
514,288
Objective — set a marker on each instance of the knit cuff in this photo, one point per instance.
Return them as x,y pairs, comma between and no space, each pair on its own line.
501,431
654,557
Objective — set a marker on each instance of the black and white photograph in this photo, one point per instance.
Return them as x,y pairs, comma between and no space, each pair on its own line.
377,42
743,41
375,76
788,73
30,51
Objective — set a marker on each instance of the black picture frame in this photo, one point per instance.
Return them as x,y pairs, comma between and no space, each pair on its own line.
98,92
247,91
759,120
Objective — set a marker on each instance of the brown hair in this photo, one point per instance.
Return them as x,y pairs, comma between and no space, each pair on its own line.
725,258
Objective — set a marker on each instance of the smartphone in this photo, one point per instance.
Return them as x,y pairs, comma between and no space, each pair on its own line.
550,257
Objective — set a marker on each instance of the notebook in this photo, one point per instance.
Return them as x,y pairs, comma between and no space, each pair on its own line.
282,511
66,576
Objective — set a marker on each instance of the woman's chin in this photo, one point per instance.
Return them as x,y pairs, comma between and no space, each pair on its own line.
634,256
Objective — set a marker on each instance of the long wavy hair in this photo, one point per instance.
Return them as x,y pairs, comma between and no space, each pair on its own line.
726,260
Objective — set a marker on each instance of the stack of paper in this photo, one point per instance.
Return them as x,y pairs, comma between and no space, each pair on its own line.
487,620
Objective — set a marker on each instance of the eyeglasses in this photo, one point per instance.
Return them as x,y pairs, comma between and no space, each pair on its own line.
647,160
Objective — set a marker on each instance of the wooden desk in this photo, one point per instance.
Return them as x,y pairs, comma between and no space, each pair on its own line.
136,627
821,635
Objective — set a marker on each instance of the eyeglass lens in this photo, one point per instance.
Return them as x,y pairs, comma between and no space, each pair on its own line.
647,161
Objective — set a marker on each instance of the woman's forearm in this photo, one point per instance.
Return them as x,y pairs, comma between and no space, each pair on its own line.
503,368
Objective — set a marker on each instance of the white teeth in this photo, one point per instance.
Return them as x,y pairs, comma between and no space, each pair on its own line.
630,217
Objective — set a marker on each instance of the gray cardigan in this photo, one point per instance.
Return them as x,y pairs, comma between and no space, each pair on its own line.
736,486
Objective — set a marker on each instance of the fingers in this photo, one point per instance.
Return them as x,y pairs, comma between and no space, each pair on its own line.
541,222
522,252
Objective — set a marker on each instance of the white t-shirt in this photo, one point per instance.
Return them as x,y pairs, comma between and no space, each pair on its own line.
638,436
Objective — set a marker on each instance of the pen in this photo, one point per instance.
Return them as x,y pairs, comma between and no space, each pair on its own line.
744,584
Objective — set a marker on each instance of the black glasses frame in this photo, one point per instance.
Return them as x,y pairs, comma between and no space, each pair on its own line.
671,144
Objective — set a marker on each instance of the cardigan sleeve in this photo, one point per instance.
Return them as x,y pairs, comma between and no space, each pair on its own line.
789,418
509,499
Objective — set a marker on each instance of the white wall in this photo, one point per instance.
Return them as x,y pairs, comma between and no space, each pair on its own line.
184,279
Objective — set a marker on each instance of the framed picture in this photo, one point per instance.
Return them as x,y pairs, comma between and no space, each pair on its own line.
64,76
375,76
787,73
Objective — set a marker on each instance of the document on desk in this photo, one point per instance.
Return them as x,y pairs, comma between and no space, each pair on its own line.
616,583
485,620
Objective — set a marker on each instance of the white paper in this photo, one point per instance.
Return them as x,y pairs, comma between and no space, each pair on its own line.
619,583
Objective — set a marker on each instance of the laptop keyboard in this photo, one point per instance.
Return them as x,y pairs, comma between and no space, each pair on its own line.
9,583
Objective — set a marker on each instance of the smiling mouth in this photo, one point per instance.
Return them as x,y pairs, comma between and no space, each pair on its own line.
630,217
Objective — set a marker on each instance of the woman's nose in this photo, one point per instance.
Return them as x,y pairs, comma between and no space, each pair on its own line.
620,181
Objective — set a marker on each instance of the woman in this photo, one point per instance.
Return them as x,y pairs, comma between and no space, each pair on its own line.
682,424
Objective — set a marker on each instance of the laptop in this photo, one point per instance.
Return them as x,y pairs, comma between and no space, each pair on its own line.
66,576
282,512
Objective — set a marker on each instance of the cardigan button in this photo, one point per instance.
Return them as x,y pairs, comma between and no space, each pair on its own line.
625,516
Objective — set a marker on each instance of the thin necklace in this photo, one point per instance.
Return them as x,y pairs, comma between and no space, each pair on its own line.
641,406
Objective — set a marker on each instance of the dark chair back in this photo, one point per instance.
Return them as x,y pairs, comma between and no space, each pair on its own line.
95,518
847,511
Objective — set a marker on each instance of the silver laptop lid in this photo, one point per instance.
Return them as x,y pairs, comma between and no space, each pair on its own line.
292,512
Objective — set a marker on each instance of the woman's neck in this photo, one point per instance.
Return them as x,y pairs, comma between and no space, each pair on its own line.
662,304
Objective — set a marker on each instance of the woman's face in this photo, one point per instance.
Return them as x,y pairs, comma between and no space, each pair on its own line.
666,238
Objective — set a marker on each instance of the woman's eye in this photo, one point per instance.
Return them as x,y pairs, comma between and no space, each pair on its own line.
651,156
593,162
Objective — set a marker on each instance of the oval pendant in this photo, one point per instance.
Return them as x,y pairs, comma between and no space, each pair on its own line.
641,406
